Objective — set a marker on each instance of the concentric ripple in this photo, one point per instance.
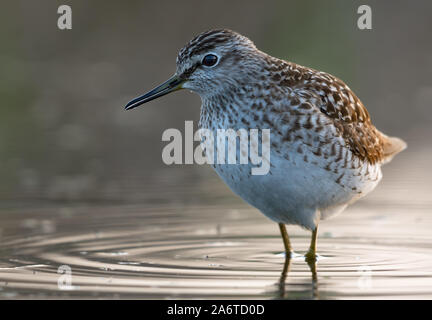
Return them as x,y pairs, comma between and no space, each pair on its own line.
210,252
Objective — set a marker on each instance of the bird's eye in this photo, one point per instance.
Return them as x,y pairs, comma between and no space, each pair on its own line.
209,60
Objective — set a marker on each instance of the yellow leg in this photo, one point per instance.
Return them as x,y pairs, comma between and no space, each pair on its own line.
286,241
311,261
311,254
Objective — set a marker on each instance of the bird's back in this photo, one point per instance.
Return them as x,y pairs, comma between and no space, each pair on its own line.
332,97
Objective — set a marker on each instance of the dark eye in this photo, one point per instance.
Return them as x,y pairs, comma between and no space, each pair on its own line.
209,60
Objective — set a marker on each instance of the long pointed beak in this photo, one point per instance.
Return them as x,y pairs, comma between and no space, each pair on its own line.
172,84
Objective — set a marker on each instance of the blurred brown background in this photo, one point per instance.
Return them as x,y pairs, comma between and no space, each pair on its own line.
64,136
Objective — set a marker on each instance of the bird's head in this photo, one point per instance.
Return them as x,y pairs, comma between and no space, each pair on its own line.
211,63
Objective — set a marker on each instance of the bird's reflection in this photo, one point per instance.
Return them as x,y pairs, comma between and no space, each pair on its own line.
282,293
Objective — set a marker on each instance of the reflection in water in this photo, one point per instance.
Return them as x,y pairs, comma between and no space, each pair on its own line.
285,272
283,276
312,266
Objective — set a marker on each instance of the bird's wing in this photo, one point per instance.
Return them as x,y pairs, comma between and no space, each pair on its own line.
343,108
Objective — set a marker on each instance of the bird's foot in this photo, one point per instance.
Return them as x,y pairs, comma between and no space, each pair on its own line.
311,256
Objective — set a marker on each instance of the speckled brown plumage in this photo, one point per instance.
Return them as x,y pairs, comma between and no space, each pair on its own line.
310,113
320,92
325,151
336,100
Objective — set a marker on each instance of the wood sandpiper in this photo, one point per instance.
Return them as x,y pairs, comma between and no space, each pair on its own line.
325,151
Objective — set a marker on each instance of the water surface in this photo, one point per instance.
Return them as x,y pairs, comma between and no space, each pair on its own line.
211,245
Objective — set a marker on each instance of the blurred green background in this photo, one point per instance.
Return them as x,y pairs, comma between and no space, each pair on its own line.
64,136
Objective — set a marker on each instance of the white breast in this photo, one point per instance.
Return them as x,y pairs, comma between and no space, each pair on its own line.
295,192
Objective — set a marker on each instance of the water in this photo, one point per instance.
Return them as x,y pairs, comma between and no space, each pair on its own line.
218,247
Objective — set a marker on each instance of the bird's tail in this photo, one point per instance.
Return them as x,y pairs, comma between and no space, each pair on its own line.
392,146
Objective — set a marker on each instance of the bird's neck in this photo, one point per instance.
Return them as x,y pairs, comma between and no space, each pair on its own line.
240,102
229,109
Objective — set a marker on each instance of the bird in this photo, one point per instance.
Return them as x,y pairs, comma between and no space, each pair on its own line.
325,152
